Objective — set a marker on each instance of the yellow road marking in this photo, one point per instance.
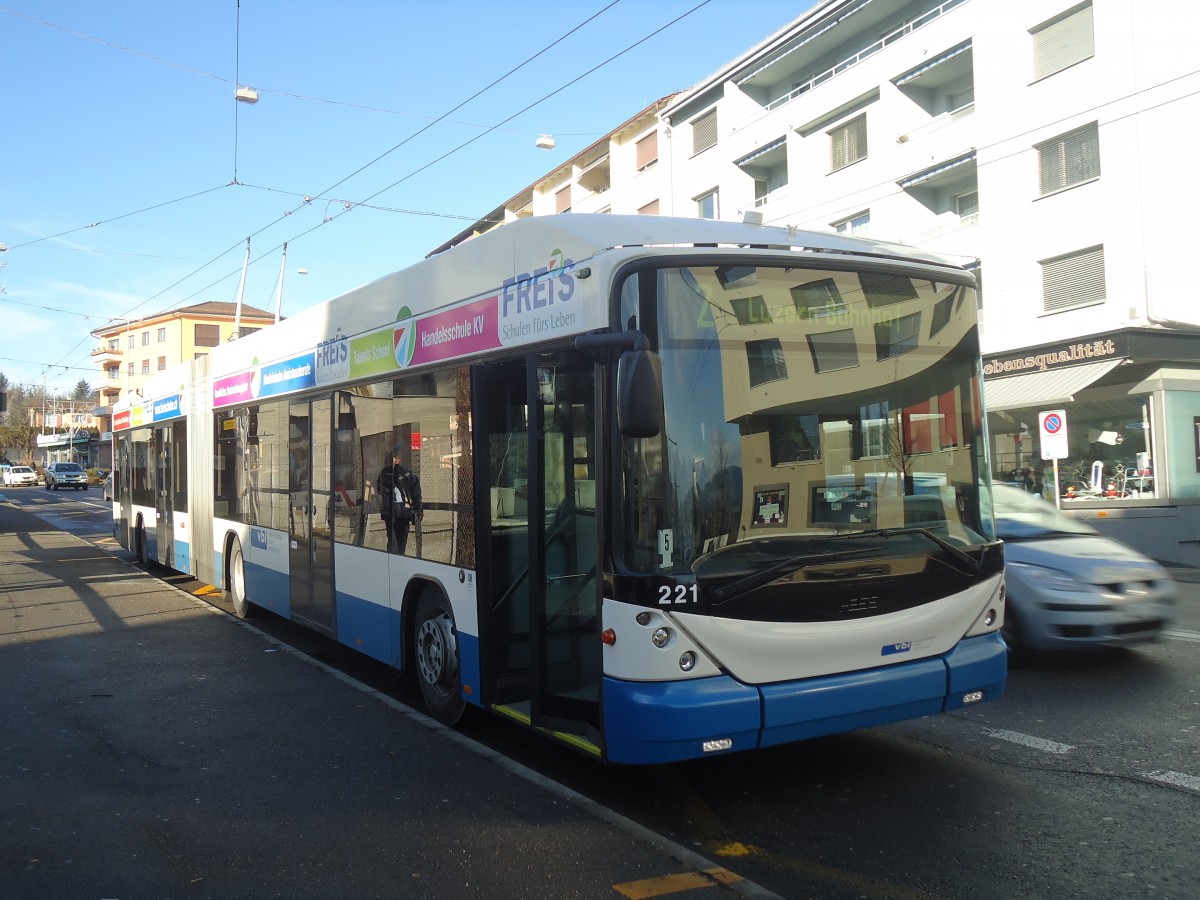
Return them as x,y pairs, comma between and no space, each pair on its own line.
675,884
206,590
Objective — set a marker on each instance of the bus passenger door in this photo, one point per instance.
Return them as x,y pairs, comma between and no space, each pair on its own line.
310,512
163,501
566,619
540,599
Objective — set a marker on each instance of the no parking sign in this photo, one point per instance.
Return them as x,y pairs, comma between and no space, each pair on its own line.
1053,426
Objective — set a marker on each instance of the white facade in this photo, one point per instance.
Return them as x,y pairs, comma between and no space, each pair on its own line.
985,109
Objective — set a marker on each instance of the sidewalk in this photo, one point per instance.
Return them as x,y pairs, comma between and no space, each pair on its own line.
154,747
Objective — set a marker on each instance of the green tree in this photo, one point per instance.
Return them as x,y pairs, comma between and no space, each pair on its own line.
18,433
83,390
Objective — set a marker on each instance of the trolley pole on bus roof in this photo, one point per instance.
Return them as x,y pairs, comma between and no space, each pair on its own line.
279,294
237,313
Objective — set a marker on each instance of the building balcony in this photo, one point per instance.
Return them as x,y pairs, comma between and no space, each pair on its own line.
106,355
949,224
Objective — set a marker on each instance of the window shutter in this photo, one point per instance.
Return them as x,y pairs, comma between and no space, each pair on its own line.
1074,280
1062,42
562,200
1070,159
704,132
848,143
647,150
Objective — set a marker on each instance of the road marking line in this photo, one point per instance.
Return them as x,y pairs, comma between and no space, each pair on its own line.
1026,740
1191,782
1175,634
675,884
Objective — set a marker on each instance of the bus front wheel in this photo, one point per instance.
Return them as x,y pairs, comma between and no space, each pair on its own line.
435,649
242,608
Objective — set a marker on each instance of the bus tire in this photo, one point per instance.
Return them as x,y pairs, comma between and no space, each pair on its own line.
435,650
139,544
236,576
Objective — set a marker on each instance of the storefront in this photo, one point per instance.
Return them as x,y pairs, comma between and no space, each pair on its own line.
78,447
1132,404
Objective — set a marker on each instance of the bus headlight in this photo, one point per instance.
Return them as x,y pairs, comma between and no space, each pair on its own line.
661,637
687,661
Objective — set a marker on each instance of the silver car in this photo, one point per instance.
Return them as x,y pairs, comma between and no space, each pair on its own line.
66,474
1069,585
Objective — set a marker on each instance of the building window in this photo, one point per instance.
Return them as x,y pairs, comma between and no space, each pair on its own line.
750,310
1073,280
959,102
145,367
817,299
833,350
114,344
145,339
208,335
967,206
897,336
562,200
131,341
1063,41
199,355
856,224
246,332
848,143
707,206
162,364
113,372
1069,159
704,132
130,369
884,290
647,151
766,361
162,335
650,209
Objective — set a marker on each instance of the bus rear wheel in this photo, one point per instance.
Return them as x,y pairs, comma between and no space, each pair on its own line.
139,544
242,607
435,649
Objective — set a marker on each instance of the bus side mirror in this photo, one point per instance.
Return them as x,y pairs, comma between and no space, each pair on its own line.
639,394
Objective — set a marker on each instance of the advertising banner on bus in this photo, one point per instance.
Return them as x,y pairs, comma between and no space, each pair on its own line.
530,309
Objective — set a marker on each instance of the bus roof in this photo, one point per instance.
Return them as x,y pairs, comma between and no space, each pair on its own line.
604,231
471,278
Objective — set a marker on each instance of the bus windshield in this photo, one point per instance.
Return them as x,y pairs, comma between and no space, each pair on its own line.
802,405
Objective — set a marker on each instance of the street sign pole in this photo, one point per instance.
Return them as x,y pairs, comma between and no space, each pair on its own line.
1052,425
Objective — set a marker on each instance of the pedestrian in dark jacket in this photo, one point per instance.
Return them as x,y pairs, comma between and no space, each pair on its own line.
400,503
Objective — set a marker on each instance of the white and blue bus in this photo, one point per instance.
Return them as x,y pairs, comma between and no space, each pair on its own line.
689,487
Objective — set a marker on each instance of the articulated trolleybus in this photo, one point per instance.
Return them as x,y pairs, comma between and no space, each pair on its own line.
687,487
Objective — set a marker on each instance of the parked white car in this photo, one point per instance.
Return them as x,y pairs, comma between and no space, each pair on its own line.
1070,586
15,476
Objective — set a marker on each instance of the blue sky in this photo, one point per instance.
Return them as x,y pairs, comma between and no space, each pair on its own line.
123,115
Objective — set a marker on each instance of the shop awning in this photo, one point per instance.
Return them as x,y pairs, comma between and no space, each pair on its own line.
1044,390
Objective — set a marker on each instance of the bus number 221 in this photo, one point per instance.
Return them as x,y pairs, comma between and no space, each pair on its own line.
677,593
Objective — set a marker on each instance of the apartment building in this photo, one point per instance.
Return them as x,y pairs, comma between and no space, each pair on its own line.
1044,143
132,351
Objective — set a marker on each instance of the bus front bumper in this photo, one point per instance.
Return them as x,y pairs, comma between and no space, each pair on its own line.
658,722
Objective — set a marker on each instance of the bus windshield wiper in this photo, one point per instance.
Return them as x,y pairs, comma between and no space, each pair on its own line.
971,564
758,579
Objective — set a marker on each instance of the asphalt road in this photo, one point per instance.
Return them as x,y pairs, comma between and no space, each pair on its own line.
1084,781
